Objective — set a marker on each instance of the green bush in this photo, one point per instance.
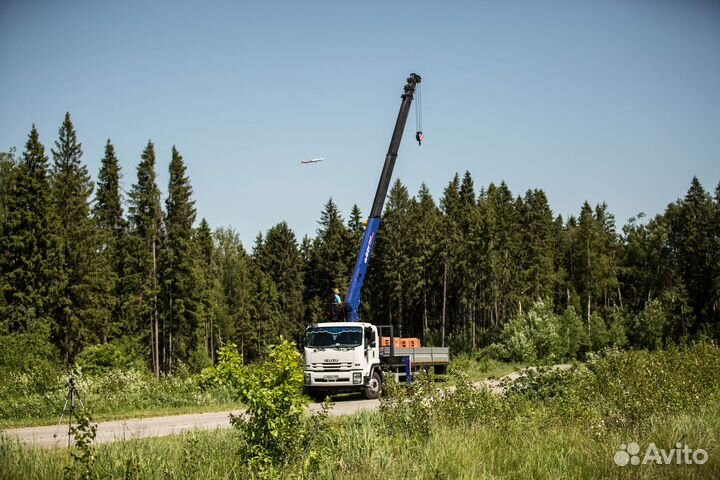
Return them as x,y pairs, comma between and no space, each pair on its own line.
535,335
649,326
99,359
573,333
598,333
276,432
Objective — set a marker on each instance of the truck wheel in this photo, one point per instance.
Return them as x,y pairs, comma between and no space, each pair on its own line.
374,386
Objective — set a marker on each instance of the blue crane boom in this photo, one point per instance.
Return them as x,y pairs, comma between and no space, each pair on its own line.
352,299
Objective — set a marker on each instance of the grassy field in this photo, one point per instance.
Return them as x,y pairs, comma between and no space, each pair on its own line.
528,446
117,394
549,424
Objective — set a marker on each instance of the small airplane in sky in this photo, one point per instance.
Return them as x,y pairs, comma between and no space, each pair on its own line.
312,160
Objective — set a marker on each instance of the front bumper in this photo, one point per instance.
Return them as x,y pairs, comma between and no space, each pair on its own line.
349,378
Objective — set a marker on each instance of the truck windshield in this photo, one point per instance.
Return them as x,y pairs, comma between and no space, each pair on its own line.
328,337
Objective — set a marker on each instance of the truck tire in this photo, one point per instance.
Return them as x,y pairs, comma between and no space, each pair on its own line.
373,389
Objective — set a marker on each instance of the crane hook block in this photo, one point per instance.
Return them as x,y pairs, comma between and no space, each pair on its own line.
419,137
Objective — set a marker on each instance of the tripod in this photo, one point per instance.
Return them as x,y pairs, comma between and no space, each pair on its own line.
72,395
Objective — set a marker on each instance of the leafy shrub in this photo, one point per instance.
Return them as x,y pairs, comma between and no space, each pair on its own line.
625,388
82,454
276,431
573,333
598,333
535,335
99,359
617,328
649,326
415,411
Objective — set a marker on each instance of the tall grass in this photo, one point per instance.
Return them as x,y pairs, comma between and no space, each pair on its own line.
548,425
115,393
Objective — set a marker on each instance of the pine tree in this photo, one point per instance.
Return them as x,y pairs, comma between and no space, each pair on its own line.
111,230
178,262
80,310
144,248
29,280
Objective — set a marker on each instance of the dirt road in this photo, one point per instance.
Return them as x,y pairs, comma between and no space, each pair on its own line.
159,426
174,424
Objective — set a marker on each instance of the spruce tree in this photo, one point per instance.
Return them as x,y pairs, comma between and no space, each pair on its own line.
143,252
264,313
716,264
504,252
80,310
207,288
450,208
691,223
29,279
234,272
179,255
467,268
427,246
538,235
111,230
280,259
399,272
333,252
8,167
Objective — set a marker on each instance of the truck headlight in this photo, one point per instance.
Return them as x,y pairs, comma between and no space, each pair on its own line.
307,379
357,378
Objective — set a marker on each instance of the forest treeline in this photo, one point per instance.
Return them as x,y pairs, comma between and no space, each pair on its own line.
81,264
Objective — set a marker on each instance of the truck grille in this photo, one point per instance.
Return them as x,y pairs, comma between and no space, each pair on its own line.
332,380
331,367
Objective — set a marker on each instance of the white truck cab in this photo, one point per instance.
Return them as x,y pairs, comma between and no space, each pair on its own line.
342,357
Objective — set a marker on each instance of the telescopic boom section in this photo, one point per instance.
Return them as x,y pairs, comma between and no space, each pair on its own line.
352,299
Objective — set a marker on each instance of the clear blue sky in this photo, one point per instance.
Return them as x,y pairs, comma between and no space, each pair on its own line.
611,101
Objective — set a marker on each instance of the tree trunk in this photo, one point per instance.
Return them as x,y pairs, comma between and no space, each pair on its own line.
444,306
425,315
155,312
472,324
